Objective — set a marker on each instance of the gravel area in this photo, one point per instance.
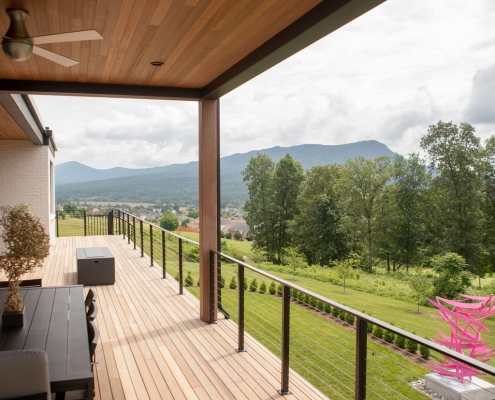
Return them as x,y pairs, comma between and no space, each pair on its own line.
420,387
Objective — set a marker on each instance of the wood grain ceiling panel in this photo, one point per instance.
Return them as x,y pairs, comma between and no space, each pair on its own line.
9,130
196,40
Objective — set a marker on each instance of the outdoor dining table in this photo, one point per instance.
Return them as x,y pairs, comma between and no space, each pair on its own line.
54,321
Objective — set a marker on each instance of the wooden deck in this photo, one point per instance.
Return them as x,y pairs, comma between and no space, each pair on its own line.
153,344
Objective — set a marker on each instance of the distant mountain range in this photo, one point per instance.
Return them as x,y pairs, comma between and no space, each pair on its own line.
178,183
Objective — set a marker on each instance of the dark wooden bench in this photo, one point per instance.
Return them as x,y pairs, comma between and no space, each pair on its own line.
24,283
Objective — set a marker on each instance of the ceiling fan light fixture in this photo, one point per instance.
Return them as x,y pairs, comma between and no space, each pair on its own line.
17,45
156,63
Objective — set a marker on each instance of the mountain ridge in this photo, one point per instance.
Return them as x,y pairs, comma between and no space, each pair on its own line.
179,182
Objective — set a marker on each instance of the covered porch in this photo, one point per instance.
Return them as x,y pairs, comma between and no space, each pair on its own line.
153,344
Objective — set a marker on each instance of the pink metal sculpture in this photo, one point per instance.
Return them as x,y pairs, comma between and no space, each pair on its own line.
466,319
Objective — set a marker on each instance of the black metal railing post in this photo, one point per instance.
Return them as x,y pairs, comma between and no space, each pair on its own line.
142,236
84,214
213,308
56,223
110,222
361,352
128,228
240,322
123,225
181,287
285,339
151,244
119,218
134,231
164,265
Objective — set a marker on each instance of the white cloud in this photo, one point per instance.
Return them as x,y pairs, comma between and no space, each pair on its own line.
387,76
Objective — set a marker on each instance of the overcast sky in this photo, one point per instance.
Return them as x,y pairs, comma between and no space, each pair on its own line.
386,76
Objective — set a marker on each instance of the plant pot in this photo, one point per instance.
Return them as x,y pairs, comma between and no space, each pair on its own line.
12,319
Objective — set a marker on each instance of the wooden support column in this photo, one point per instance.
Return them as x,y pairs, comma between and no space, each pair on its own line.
209,201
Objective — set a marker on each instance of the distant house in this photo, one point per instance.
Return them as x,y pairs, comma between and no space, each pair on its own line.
237,226
194,224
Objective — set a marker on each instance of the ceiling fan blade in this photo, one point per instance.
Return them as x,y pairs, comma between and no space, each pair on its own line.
66,62
68,37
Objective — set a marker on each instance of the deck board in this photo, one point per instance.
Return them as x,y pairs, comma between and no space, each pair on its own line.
153,344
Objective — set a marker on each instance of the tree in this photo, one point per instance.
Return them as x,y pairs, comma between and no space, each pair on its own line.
193,213
345,268
287,179
488,204
169,222
238,235
455,153
68,208
360,189
420,283
293,259
411,180
452,278
316,230
258,176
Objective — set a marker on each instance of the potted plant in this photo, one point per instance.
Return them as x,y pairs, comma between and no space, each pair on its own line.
27,245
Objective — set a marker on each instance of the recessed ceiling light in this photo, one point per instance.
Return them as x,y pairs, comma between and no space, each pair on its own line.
156,63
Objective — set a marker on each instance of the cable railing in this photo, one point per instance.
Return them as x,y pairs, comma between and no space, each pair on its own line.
330,344
337,349
81,223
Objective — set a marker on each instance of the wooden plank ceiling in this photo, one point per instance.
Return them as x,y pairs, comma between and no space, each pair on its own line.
197,40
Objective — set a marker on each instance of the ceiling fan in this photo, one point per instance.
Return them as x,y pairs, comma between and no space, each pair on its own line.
18,45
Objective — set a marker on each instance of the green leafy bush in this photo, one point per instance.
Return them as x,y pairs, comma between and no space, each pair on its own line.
245,284
342,315
389,336
335,312
233,283
189,280
424,351
369,327
263,288
312,302
198,282
279,289
272,289
253,286
378,332
320,305
294,293
400,341
412,346
221,282
327,308
350,319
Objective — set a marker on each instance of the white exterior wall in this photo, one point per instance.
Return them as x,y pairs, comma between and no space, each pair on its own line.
25,178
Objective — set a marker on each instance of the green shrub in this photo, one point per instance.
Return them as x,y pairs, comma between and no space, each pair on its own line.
412,346
279,289
378,332
221,282
245,284
369,327
400,341
327,308
294,293
233,283
253,286
303,298
189,280
335,312
312,302
389,336
263,288
424,351
273,289
198,282
350,319
320,305
342,315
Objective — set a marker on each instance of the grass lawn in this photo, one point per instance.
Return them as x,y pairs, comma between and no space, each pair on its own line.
70,226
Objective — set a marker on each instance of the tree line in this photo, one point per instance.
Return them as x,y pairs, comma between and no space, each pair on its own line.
401,211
